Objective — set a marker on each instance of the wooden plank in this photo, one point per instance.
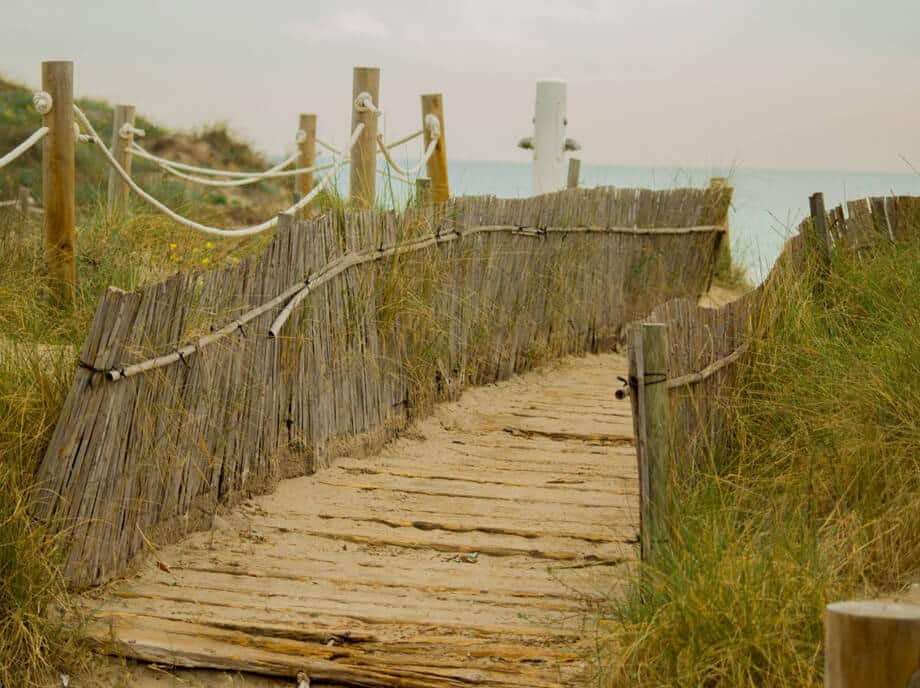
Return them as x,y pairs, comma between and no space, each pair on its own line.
200,645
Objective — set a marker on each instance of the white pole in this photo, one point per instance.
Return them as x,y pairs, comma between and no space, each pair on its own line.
549,137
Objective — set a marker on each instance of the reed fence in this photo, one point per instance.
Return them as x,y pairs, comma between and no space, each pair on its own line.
209,386
704,346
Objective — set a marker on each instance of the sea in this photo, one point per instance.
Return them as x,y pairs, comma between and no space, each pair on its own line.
767,205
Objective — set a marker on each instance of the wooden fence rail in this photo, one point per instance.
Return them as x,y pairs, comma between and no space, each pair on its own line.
150,455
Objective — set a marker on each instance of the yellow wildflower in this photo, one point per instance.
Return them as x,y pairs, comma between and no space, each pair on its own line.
172,246
174,258
209,245
205,261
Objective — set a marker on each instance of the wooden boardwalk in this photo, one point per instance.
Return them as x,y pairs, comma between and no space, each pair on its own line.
467,553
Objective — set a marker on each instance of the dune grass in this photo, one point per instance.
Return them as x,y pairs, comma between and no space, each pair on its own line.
39,342
820,499
38,349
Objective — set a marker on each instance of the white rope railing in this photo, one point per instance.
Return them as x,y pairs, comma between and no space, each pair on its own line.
389,173
272,173
398,142
36,136
6,204
432,128
136,149
405,139
407,172
216,231
328,146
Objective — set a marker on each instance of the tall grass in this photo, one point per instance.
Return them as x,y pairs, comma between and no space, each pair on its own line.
38,348
818,500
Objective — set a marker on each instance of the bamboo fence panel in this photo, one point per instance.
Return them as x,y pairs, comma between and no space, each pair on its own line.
425,303
705,344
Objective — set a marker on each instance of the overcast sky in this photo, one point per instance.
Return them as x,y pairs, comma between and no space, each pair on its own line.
820,84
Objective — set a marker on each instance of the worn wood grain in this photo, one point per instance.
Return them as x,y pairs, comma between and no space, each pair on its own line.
323,577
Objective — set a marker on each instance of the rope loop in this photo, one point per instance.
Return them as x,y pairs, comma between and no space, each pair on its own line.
364,102
433,125
43,102
301,137
81,138
128,130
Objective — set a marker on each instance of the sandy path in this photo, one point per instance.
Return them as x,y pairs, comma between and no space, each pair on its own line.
466,552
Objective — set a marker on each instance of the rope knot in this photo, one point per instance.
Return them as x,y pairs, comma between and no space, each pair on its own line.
43,102
128,130
300,137
82,138
433,125
364,102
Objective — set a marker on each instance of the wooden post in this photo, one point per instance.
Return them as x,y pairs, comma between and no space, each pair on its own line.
637,403
363,189
722,248
872,644
422,192
433,104
58,181
574,170
655,515
819,220
306,146
25,200
118,190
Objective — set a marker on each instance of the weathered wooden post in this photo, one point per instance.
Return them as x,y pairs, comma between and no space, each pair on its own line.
872,644
122,138
574,171
422,192
433,110
723,250
365,85
58,180
656,439
720,184
819,222
306,146
24,200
